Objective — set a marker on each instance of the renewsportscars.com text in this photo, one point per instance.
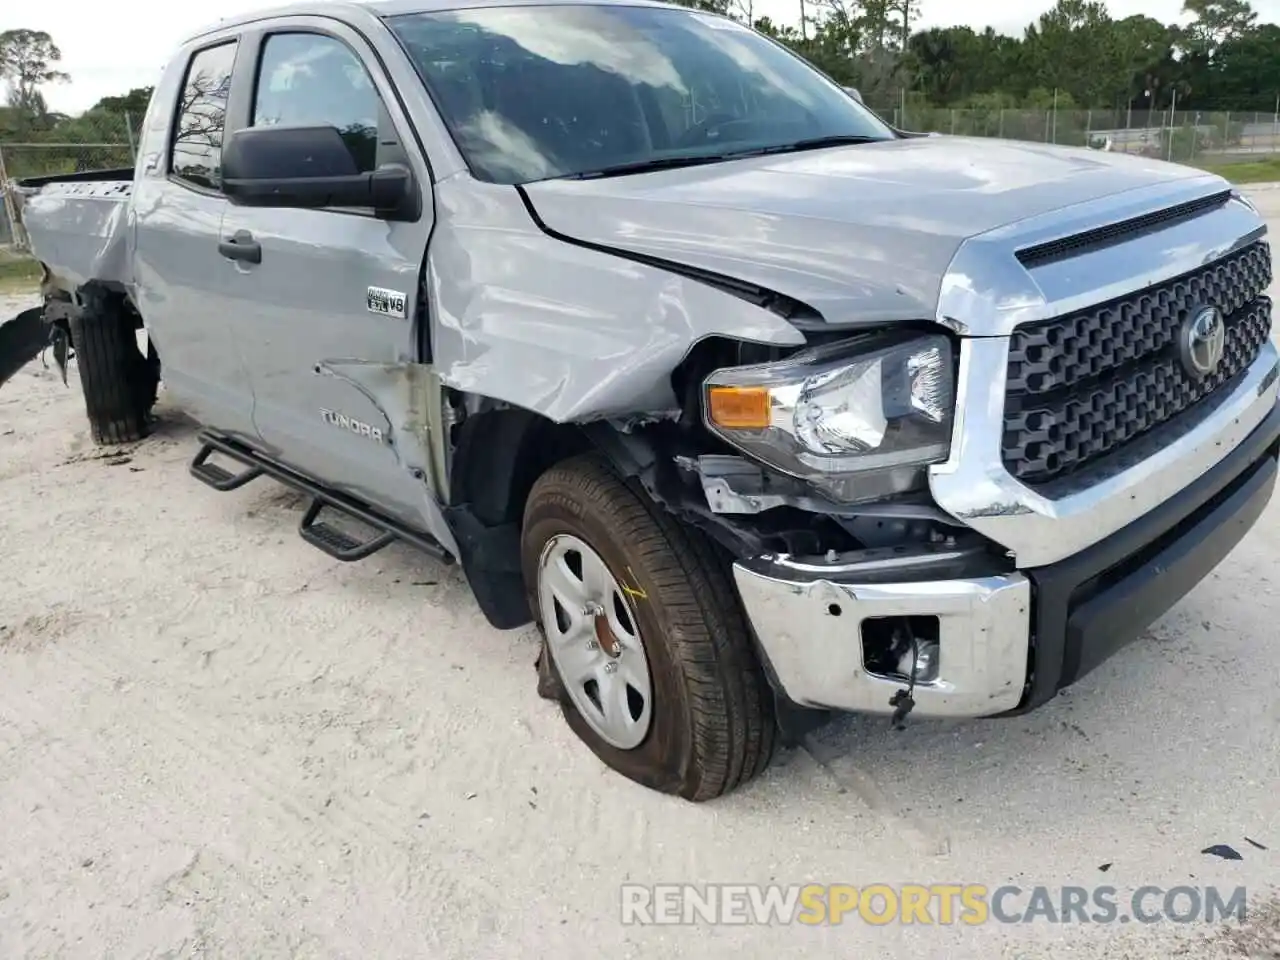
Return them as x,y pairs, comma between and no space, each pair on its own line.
938,903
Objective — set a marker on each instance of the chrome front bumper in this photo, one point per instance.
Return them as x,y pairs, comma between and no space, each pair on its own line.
809,616
811,638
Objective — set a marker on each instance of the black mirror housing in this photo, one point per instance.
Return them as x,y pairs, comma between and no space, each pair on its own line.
311,168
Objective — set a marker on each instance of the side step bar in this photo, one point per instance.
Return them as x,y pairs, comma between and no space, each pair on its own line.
215,476
335,542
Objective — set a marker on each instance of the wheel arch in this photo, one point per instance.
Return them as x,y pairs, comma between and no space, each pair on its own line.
497,456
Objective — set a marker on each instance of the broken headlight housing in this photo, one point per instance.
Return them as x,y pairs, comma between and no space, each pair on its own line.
857,419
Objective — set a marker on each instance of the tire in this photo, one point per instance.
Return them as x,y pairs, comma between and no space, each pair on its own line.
711,725
118,383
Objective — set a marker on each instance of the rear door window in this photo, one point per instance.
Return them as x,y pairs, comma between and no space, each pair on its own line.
196,152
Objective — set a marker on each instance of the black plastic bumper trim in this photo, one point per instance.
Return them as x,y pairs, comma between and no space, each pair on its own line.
1089,606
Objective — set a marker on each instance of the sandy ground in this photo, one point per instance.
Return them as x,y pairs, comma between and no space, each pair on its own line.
217,742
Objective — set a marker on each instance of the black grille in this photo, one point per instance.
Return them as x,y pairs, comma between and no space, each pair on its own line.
1082,386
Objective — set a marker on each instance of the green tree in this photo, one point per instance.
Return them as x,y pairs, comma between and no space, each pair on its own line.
711,6
134,103
1074,48
905,12
1247,69
1217,22
28,61
1143,45
952,64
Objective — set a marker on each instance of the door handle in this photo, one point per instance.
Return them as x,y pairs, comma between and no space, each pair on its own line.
241,246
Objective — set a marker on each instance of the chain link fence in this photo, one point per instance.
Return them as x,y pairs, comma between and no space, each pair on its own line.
1182,136
89,142
21,160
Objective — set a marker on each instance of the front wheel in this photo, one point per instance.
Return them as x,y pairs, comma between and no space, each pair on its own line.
654,665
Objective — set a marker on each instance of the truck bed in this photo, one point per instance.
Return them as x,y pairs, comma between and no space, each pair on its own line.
76,224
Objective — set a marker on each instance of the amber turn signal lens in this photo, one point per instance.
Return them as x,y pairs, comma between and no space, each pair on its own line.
739,408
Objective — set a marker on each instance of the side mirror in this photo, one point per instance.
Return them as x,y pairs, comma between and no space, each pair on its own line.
310,168
853,92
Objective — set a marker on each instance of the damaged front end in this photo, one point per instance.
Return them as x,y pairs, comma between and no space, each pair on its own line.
810,470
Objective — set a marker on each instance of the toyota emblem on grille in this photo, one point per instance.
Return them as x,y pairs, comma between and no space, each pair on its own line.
1202,340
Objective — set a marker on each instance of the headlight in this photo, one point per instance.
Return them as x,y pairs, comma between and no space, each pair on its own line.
837,415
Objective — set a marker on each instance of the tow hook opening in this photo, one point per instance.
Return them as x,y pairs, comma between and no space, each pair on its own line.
902,648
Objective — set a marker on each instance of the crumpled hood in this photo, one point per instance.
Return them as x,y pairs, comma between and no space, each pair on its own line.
859,233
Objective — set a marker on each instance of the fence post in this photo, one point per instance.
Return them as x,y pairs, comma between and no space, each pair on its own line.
1275,125
128,132
11,208
1088,129
1000,134
953,121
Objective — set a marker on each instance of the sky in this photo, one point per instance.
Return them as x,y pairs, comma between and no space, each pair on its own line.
109,49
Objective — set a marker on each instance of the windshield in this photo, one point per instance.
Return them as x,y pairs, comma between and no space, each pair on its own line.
534,92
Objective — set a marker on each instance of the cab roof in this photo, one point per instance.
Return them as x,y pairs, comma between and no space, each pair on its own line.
355,12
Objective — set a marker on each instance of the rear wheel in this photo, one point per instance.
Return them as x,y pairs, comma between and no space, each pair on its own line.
118,382
645,642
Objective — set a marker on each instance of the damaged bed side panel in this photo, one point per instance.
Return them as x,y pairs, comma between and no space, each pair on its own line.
82,231
567,332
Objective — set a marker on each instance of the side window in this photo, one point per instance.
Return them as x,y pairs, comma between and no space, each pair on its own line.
308,79
196,154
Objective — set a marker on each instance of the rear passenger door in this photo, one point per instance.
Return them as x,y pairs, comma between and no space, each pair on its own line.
332,284
180,279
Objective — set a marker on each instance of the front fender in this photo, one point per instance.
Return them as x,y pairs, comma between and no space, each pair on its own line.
570,333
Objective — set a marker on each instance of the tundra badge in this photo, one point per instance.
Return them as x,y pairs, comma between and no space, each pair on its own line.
357,427
388,302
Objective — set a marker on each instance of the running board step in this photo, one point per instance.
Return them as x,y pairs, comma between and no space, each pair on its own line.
220,478
338,543
324,536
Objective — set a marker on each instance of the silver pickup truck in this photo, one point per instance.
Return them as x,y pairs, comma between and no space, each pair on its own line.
761,409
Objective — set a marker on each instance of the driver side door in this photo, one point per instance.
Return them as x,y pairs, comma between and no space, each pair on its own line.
332,285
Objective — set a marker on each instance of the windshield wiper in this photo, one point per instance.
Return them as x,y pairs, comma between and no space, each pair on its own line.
817,143
643,166
672,163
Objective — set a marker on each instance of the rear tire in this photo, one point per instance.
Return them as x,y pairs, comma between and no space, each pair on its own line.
118,382
711,724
